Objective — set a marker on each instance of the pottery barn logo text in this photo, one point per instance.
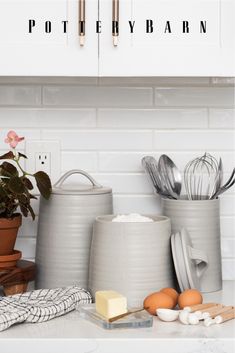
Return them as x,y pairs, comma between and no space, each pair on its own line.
168,27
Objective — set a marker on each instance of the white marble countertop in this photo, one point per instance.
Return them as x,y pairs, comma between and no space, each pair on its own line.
71,333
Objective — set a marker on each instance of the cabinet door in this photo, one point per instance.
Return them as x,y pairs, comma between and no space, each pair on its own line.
187,38
52,48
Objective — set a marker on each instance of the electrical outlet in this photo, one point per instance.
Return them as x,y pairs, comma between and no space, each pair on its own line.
43,162
45,156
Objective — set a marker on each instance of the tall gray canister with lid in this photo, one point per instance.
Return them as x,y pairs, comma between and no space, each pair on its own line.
201,218
65,230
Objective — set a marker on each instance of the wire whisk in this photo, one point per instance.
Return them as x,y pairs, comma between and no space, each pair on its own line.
202,177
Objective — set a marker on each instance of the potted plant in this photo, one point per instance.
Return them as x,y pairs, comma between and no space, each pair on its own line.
16,193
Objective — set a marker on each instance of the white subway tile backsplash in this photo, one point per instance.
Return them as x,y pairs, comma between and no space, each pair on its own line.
97,96
152,118
227,205
100,139
18,118
48,118
48,80
121,161
182,81
27,246
79,160
223,81
28,227
131,161
107,125
63,118
146,204
227,226
227,247
194,140
20,95
154,81
126,183
222,118
228,269
195,97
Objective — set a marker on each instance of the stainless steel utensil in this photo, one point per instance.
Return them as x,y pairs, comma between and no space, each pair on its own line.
171,176
146,163
230,182
218,179
151,168
200,177
203,177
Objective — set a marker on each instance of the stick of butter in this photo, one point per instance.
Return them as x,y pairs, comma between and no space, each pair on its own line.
110,303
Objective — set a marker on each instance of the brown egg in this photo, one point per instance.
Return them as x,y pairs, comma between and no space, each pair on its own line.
158,300
172,293
189,297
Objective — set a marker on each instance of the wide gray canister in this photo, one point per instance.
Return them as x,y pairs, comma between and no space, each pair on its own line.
65,231
133,258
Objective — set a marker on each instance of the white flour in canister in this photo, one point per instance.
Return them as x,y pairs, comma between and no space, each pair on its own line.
132,217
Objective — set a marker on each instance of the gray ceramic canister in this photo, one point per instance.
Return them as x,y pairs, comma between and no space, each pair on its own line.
65,231
133,258
202,220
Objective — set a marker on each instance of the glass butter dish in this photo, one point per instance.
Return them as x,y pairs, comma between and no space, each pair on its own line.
137,320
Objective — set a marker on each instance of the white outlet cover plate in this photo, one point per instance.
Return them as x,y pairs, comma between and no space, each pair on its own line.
52,147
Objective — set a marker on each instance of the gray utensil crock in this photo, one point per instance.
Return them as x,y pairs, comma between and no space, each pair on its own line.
202,220
65,231
131,258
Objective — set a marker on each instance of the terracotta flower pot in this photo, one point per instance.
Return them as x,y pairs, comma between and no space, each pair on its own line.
9,261
8,233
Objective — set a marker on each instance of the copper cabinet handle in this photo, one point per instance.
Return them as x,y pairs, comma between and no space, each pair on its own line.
81,22
115,22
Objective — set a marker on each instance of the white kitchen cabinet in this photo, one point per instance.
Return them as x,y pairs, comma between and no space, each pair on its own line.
47,51
177,45
189,38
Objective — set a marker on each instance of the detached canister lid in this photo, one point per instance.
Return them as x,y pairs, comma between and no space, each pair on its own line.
95,188
190,263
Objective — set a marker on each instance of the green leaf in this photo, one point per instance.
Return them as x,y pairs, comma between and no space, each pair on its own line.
8,155
27,183
23,199
16,185
22,155
10,169
44,184
24,210
31,212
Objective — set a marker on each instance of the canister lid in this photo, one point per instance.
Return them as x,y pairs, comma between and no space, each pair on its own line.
95,188
179,264
190,263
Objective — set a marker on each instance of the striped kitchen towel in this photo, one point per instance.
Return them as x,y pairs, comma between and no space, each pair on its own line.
40,305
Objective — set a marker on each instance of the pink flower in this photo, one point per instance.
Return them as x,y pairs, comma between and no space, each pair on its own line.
13,139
